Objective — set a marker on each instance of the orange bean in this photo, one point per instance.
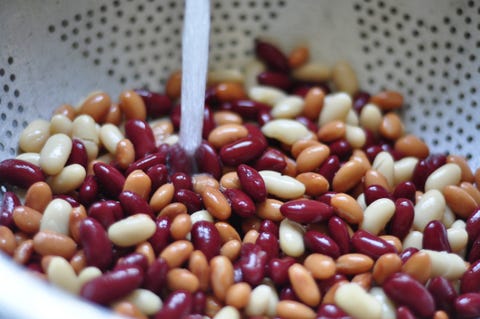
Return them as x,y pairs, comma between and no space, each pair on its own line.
227,117
198,265
51,243
238,295
146,249
472,191
291,168
387,100
251,236
385,266
467,174
353,263
329,296
315,184
231,249
181,278
38,196
225,134
27,219
419,266
125,153
97,106
181,226
78,261
230,180
226,231
23,252
321,266
216,203
270,209
76,216
67,110
440,314
313,103
394,241
304,285
374,177
461,203
200,181
114,115
138,182
212,306
298,56
364,280
162,197
347,208
289,309
410,145
221,276
312,157
173,209
177,253
349,175
300,145
132,105
128,309
7,240
230,91
332,131
391,126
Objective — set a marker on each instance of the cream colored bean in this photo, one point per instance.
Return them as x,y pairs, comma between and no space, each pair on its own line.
145,300
448,265
457,238
384,164
68,180
448,174
225,75
344,77
131,230
266,94
252,69
59,123
55,153
430,207
403,169
56,216
228,312
289,107
87,274
34,136
449,217
371,117
85,128
413,239
33,158
313,72
355,301
355,136
282,186
388,307
335,107
110,135
200,215
285,130
61,274
352,118
291,238
92,149
263,301
377,215
361,201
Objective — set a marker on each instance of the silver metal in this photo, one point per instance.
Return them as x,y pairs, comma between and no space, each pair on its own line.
54,52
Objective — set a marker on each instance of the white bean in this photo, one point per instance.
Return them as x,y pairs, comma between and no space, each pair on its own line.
448,265
355,301
87,274
85,128
313,72
59,123
252,70
371,117
288,107
34,136
61,274
448,174
430,207
55,153
131,230
388,308
413,239
32,158
355,136
282,186
361,201
383,163
259,301
335,107
448,217
377,215
344,77
225,75
56,216
291,238
285,130
110,135
145,300
227,312
352,118
69,179
403,169
200,215
457,238
266,94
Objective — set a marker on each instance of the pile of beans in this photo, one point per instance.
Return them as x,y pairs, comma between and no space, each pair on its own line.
309,201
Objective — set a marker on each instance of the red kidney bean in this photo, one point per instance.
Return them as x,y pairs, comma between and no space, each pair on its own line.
141,136
338,230
407,253
78,154
208,122
270,227
326,197
178,160
473,225
132,260
158,175
211,98
157,104
467,306
241,203
341,148
404,313
405,290
112,285
132,204
306,211
88,191
371,245
205,237
405,190
370,139
110,180
181,180
474,253
207,160
264,116
312,126
268,242
237,272
435,237
8,204
254,131
95,243
360,99
470,281
175,116
68,198
196,315
374,192
278,269
329,167
252,182
331,311
199,303
106,212
443,292
178,305
372,152
402,219
301,89
192,200
147,162
287,293
272,56
156,276
20,173
161,237
248,109
326,284
321,243
253,260
425,167
275,79
271,159
241,151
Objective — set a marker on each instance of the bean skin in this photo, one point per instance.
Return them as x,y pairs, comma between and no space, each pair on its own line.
20,173
306,211
241,203
371,245
109,178
443,292
96,245
252,183
321,243
205,237
252,262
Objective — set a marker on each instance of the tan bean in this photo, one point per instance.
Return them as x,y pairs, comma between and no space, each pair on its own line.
77,214
336,106
387,100
7,240
173,209
114,115
301,145
181,226
27,219
138,182
110,135
230,180
51,243
96,105
238,295
419,266
394,241
60,124
181,278
472,191
329,297
344,78
224,75
411,145
377,215
23,252
128,309
230,91
212,306
227,232
54,153
198,265
61,274
286,131
332,131
162,129
288,107
371,117
347,208
263,301
146,249
391,126
66,110
148,302
266,94
448,265
78,261
177,253
304,285
349,175
162,197
459,201
320,266
467,174
216,203
315,184
291,168
221,276
200,181
290,309
440,314
291,238
227,117
385,266
225,134
312,157
313,72
298,56
231,249
364,280
132,105
353,263
251,236
374,177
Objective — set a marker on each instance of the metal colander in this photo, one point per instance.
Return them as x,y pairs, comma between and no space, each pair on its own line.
54,52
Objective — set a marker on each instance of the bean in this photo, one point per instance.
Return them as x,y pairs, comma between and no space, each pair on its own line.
321,243
467,305
272,56
391,126
241,204
263,301
443,292
7,205
156,275
347,208
313,72
51,243
331,311
156,104
23,252
459,201
353,263
282,186
68,179
278,129
377,215
371,245
138,182
448,265
288,107
457,238
133,203
405,190
34,136
27,219
290,309
7,240
355,301
471,190
430,207
473,225
177,253
141,136
106,212
471,278
304,285
151,161
252,263
448,174
306,211
56,216
216,203
181,226
221,276
182,279
291,238
387,100
147,302
419,266
435,237
339,232
344,77
348,176
269,243
205,237
242,150
374,192
95,243
20,173
225,134
238,295
131,230
386,265
109,178
425,167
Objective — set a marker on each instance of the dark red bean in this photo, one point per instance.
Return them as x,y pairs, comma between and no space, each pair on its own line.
161,237
338,230
312,126
88,191
272,56
405,190
78,154
112,285
374,192
208,122
199,303
241,151
156,276
404,313
8,204
372,152
158,175
181,180
106,212
207,160
175,116
320,243
211,98
370,139
252,183
109,179
268,242
467,306
360,99
241,203
132,204
253,261
407,253
278,269
306,211
326,284
405,290
470,281
95,243
275,79
301,89
132,260
178,305
157,104
205,237
329,167
287,293
270,227
474,253
237,272
435,237
179,161
326,197
473,225
402,219
254,131
248,109
20,173
271,159
341,148
192,200
443,292
425,167
330,311
371,245
68,198
141,136
264,116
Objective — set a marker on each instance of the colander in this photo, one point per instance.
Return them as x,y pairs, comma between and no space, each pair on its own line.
53,52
